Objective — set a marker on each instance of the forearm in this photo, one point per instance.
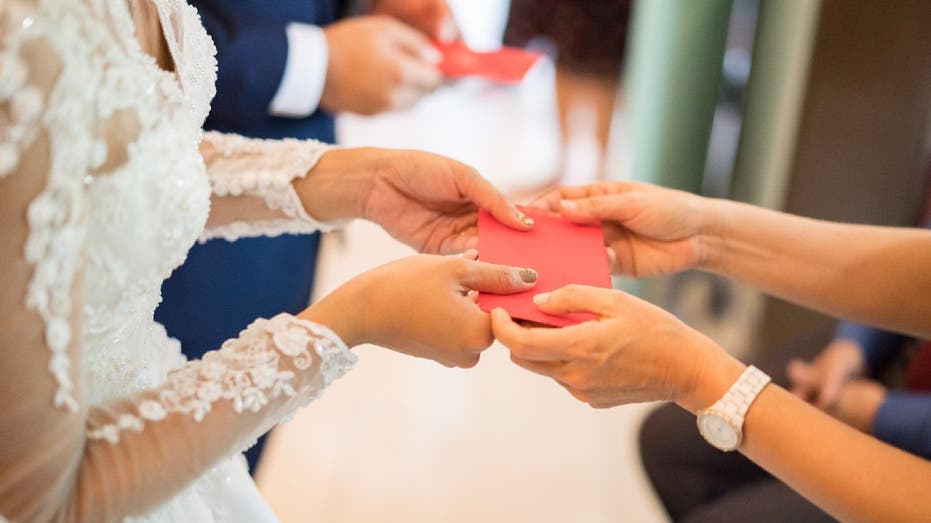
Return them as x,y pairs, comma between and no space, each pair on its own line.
877,275
840,469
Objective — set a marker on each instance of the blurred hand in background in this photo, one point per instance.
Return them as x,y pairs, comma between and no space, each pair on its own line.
834,382
377,63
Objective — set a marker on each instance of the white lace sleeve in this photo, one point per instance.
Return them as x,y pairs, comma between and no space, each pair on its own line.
144,448
273,367
252,190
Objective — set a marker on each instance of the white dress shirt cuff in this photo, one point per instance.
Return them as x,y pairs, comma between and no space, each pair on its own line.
301,85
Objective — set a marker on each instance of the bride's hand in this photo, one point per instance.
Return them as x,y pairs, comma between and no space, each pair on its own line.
421,306
427,201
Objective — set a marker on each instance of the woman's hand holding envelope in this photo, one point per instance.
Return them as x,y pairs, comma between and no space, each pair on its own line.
649,230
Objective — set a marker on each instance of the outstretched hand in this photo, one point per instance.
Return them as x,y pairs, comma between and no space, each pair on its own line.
427,201
377,64
649,230
422,306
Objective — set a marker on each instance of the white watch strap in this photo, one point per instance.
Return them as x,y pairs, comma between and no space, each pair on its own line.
741,395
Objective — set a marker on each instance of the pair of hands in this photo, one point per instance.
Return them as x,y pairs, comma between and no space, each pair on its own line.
385,61
835,382
422,305
633,352
637,352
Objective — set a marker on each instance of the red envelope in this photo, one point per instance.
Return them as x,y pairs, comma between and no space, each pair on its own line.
560,251
506,65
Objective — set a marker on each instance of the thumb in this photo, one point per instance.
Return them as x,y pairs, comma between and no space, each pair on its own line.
439,23
497,279
447,30
436,20
413,42
581,298
613,207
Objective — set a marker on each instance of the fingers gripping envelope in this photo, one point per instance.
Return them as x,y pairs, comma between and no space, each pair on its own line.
560,251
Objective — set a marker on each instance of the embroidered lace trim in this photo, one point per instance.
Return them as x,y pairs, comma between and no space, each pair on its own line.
264,168
249,371
55,216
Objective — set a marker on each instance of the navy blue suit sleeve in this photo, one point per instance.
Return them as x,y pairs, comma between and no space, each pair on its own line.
878,346
904,420
251,54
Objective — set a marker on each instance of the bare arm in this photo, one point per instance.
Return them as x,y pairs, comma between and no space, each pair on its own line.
638,352
875,275
878,275
849,474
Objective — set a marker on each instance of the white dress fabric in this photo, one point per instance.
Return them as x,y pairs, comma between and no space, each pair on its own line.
106,180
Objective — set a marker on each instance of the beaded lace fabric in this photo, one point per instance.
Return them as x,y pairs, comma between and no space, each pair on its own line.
106,180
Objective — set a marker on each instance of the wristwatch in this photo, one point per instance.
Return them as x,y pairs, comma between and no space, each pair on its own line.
722,423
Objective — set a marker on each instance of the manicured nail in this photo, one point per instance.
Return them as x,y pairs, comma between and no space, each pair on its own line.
528,275
528,221
569,205
541,298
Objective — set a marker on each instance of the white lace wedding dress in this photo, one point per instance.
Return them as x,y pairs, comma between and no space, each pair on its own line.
106,180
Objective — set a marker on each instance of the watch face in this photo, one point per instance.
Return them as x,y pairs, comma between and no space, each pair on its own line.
718,431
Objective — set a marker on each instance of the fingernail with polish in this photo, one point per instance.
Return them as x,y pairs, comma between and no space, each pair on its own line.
524,218
541,298
528,275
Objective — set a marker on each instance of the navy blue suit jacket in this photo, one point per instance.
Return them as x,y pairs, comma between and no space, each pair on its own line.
222,287
251,50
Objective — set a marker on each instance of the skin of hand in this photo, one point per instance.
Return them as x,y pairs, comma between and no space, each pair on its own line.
653,230
421,306
633,352
822,380
637,352
649,230
431,17
376,64
427,201
857,403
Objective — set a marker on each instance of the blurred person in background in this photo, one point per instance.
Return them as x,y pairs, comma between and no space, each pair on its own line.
876,381
284,69
588,40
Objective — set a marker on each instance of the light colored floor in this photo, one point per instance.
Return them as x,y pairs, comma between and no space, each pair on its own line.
404,440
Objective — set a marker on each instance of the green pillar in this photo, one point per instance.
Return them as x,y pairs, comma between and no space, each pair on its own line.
673,78
781,58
